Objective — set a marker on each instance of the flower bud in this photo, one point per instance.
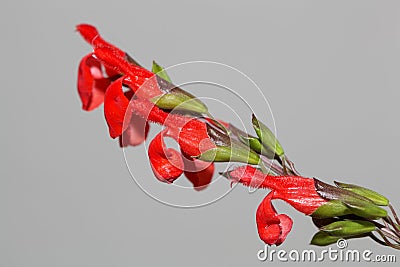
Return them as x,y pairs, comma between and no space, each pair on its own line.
177,101
332,208
230,153
323,239
266,137
375,197
157,69
367,210
255,144
348,228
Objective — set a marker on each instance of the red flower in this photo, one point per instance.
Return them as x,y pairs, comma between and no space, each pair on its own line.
298,191
92,80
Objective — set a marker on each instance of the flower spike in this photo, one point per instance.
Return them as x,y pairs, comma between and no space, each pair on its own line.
134,97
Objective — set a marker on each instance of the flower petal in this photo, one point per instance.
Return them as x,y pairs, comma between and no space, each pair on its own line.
115,109
267,221
91,83
198,172
166,163
92,36
135,133
88,32
286,225
193,138
272,228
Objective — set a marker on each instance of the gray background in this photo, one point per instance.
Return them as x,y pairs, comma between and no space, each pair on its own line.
329,69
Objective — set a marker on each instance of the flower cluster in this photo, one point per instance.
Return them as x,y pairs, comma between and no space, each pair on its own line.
342,211
134,97
111,76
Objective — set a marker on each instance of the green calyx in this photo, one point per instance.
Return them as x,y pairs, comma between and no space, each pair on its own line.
230,153
322,238
255,144
343,202
178,101
157,69
266,137
347,228
333,208
226,148
366,210
339,229
337,208
375,197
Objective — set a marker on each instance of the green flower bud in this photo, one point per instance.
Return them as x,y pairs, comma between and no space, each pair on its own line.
230,153
157,69
253,142
256,145
375,197
178,101
366,210
348,228
332,208
323,239
266,137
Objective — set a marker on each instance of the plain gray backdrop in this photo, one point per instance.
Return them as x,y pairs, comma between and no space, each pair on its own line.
330,70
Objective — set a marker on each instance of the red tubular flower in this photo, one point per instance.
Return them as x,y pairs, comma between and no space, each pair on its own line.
298,191
92,82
